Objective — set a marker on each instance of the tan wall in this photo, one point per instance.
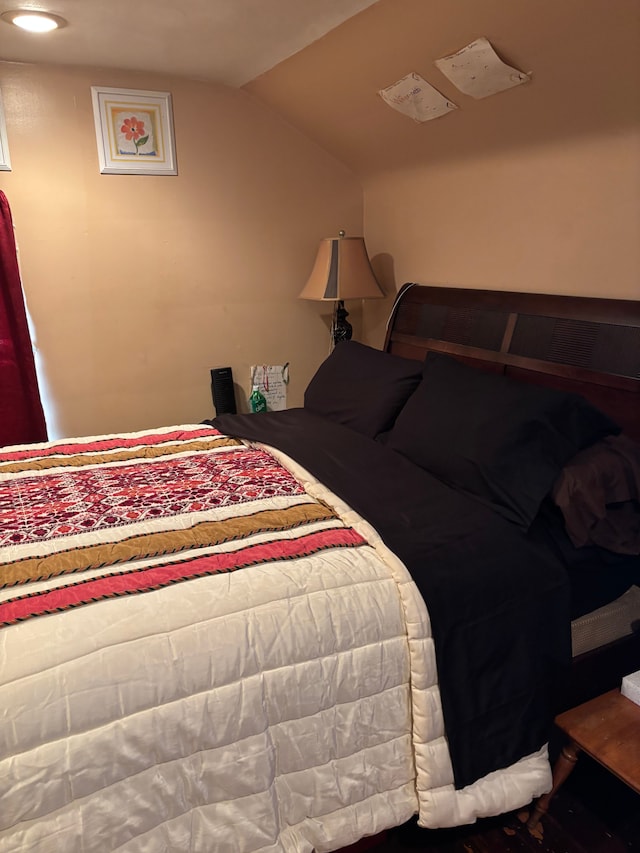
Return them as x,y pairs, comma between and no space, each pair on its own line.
138,285
563,217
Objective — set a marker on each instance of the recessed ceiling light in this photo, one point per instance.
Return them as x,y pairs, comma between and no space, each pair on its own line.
34,22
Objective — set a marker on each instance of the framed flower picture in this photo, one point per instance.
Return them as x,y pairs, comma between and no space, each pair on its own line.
134,131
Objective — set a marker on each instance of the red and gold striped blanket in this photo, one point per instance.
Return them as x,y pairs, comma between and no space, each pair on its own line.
102,517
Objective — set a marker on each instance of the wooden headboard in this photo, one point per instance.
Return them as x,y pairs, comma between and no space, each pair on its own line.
573,343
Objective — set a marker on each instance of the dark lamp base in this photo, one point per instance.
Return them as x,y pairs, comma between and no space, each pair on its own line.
341,329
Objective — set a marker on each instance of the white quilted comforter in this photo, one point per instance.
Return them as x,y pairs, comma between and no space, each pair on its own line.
290,705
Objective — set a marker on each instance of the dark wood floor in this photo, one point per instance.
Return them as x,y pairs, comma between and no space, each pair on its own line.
592,813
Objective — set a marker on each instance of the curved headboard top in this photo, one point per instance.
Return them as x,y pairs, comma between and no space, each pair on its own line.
586,345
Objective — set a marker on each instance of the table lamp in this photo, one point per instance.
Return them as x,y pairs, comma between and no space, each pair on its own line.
341,271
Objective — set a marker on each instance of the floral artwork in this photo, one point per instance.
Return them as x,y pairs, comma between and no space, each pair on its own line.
134,131
134,134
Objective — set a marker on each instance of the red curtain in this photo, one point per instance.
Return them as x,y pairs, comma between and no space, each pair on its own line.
21,415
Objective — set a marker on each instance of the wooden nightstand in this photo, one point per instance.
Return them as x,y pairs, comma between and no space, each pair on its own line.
608,729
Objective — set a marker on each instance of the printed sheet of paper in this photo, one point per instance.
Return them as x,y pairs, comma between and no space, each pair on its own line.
478,71
272,380
416,98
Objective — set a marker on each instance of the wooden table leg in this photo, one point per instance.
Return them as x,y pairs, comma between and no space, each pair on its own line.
561,770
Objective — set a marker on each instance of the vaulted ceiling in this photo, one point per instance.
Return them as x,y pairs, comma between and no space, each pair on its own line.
322,63
583,57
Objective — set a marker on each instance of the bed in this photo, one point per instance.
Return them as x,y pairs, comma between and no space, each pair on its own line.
285,632
589,346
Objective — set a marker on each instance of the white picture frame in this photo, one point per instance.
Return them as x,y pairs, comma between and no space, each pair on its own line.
5,159
134,131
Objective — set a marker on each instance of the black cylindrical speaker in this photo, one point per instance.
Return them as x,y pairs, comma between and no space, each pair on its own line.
222,391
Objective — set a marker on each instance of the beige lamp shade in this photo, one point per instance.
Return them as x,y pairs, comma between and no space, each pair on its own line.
342,271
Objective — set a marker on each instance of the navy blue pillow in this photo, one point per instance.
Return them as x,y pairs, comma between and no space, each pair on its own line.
362,388
500,440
